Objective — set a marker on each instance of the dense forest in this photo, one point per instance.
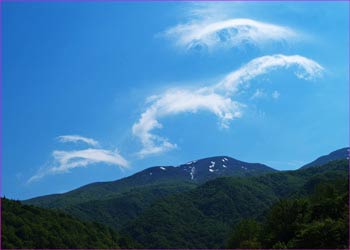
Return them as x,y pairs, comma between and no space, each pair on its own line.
305,208
26,226
320,220
204,217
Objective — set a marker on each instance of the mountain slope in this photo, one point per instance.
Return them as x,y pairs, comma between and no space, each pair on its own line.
32,227
319,220
117,212
194,172
203,217
192,205
339,154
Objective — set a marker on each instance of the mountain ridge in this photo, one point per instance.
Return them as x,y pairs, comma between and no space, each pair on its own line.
167,206
203,216
197,171
342,153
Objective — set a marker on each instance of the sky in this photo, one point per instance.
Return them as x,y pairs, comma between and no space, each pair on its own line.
98,91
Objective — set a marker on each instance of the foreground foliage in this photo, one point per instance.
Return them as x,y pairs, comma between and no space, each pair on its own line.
319,220
32,227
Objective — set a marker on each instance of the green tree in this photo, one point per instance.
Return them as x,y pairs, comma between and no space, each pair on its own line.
245,235
326,233
284,219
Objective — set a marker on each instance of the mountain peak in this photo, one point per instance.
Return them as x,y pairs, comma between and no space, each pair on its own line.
212,167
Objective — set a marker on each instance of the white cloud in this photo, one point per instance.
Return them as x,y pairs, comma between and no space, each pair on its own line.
275,94
304,68
72,159
64,161
175,101
201,11
227,33
77,138
259,93
216,99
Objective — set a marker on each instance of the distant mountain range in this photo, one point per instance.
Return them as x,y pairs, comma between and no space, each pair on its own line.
197,171
204,217
194,205
339,154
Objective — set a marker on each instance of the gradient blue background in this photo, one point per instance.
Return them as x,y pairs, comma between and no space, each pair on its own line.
87,68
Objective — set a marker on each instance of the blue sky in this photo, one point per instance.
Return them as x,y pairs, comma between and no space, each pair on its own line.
98,91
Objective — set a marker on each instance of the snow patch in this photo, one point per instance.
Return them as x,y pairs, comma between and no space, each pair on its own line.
224,166
192,172
162,168
211,170
191,162
212,164
224,160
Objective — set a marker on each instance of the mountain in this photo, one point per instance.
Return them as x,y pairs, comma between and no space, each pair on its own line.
213,167
204,216
118,211
32,227
194,205
339,154
118,202
195,172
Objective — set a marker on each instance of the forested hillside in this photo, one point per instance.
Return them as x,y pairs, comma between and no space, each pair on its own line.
32,227
194,172
204,217
280,209
117,212
319,220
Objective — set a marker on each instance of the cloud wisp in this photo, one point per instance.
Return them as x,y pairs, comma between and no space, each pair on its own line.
229,33
175,101
216,99
77,138
64,161
275,94
304,68
259,93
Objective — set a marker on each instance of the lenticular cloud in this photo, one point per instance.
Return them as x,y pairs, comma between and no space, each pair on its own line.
64,161
216,99
177,101
77,138
227,33
303,68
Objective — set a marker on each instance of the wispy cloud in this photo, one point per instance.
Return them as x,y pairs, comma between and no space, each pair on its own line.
216,98
262,94
227,33
175,101
303,67
259,93
275,94
80,158
77,138
64,161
